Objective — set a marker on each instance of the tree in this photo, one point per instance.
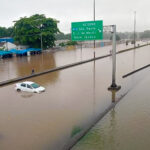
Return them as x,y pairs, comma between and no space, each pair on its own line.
6,32
71,43
62,36
10,32
117,37
31,31
3,32
145,34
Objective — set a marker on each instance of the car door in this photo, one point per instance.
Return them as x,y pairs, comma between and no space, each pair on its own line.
29,88
23,87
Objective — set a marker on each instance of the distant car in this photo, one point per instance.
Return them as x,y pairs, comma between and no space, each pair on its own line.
29,86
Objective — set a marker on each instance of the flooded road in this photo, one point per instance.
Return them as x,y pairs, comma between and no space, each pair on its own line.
74,97
16,67
126,127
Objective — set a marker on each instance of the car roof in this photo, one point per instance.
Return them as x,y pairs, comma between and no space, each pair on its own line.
28,82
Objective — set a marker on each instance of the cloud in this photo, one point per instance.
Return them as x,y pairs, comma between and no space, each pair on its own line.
119,12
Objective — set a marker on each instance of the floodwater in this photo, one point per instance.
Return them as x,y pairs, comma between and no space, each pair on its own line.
74,97
16,67
126,127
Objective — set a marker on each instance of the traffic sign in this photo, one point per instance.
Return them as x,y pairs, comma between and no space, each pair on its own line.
89,30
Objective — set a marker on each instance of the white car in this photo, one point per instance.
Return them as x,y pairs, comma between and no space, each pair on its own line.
29,86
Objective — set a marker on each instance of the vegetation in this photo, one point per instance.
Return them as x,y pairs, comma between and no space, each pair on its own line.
6,32
68,43
107,36
62,44
71,43
75,131
145,34
30,31
62,36
36,28
117,37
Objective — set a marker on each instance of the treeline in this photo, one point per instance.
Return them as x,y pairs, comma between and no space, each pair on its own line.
6,32
108,36
62,36
9,32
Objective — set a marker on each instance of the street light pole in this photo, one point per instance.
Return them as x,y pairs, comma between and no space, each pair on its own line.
41,42
94,10
134,28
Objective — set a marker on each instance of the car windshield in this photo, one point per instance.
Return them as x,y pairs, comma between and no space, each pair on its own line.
34,85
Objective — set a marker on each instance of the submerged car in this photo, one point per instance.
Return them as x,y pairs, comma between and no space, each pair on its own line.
29,86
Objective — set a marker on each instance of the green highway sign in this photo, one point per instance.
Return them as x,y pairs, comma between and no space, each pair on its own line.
89,30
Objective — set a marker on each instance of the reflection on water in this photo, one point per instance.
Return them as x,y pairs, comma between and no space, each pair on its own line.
45,62
25,65
22,66
113,96
70,48
26,94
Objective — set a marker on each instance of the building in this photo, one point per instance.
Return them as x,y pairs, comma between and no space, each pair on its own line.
7,46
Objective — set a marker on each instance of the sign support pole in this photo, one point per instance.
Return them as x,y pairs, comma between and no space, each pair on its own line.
81,50
114,85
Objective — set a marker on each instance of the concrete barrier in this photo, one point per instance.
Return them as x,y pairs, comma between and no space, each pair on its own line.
135,71
83,132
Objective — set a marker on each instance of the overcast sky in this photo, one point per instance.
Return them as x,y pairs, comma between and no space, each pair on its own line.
119,12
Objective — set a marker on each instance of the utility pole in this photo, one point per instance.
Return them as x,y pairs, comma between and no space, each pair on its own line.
41,37
41,42
134,29
94,10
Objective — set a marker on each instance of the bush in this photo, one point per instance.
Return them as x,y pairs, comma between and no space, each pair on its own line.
62,44
71,43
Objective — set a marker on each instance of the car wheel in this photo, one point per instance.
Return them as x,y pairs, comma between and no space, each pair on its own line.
18,90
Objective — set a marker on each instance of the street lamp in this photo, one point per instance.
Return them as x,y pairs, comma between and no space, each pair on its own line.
94,10
134,29
41,42
41,38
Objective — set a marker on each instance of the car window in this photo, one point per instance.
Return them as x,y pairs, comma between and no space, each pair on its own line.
28,86
34,85
23,85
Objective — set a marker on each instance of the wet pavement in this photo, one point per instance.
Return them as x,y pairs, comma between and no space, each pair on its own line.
73,99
